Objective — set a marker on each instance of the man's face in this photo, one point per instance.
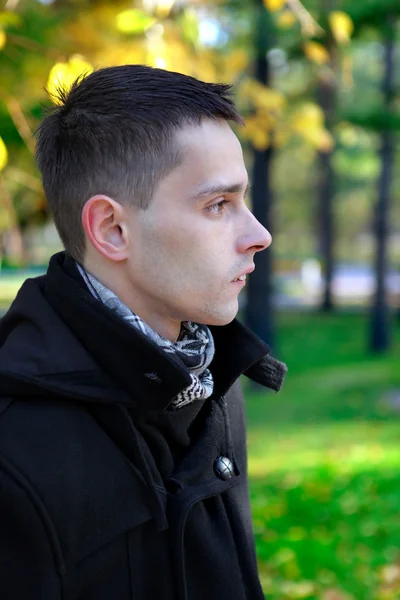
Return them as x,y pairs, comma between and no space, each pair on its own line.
197,236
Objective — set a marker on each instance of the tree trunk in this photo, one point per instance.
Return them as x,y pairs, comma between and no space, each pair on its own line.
325,197
259,314
326,97
380,329
259,307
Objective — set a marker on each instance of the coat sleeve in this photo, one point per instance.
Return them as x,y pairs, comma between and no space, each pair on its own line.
28,561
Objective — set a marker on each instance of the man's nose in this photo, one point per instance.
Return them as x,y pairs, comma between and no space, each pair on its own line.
255,236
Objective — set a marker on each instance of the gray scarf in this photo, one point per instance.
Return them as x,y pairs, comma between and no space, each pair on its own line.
194,347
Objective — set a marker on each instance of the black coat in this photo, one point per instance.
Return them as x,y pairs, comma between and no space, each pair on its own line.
104,492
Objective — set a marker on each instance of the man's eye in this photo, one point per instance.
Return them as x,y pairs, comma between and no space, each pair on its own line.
218,207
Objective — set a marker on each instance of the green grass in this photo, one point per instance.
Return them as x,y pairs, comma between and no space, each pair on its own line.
324,462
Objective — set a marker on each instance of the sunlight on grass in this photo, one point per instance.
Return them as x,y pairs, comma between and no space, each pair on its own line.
339,447
324,464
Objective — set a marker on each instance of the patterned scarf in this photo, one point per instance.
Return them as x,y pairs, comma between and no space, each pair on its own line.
194,347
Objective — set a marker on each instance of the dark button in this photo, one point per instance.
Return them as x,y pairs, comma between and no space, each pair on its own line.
153,377
223,468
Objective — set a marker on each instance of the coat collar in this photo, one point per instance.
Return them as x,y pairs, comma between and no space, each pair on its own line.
152,378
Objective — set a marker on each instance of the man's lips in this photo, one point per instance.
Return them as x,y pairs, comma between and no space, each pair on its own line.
242,276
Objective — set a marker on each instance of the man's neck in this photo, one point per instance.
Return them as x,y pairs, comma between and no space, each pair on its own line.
166,328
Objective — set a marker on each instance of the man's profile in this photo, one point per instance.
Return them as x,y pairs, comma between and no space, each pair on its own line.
122,435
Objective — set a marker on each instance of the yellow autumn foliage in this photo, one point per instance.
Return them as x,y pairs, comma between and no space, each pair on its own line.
274,5
261,139
90,29
341,26
155,37
236,62
119,54
316,52
3,39
308,123
286,19
262,96
257,130
3,154
63,74
133,21
258,137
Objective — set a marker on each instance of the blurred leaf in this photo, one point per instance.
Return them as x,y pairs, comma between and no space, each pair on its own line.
390,574
274,5
3,154
262,96
189,25
308,122
265,105
134,21
316,52
63,75
237,61
335,594
283,556
298,589
260,139
3,39
286,19
342,26
9,18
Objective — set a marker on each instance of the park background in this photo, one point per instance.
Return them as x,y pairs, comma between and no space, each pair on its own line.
318,82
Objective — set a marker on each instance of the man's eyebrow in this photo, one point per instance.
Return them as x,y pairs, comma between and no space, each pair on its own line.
211,189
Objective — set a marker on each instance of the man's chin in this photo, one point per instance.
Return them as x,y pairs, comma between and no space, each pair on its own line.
218,319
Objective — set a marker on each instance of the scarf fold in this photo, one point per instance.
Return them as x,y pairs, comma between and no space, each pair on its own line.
194,347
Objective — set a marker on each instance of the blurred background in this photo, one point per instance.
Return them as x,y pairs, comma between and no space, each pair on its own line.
318,82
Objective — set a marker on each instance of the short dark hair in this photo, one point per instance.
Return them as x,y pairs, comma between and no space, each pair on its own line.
112,133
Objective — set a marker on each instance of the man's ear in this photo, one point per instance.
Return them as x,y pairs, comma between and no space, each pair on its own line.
105,224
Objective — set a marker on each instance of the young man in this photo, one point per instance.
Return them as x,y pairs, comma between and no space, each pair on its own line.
122,440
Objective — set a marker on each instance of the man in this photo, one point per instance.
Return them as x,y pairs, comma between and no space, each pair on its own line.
122,442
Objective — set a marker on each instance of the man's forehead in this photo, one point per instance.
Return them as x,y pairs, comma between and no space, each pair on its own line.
211,161
208,133
214,147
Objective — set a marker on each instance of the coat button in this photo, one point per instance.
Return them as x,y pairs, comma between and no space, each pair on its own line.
153,377
223,468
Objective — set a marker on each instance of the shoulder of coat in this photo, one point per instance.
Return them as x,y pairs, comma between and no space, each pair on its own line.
88,488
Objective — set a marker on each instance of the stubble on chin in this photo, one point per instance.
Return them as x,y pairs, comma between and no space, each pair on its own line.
219,313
